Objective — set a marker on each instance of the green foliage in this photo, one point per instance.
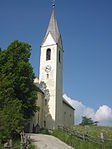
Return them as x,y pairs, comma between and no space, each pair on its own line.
85,144
45,131
95,130
16,76
11,120
88,121
16,144
17,91
31,146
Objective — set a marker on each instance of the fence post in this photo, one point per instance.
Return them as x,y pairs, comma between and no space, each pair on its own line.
102,137
22,140
85,136
102,140
8,145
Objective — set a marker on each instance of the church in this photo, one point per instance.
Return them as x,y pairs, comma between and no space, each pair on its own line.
54,110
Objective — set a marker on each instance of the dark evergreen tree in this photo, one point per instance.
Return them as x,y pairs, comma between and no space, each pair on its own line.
88,121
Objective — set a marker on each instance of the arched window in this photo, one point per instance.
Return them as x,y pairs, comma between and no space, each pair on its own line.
48,54
59,57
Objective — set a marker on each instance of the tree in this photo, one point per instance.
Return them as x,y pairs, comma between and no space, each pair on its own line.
16,82
88,121
42,85
11,120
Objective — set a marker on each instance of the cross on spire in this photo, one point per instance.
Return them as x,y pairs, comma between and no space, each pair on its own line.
53,3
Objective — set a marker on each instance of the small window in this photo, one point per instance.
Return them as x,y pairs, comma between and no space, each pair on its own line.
38,117
45,102
47,76
48,54
59,57
44,123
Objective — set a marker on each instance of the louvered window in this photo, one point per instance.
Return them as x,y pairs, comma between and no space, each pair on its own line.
48,54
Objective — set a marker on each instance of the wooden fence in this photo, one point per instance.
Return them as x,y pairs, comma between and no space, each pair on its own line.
99,140
24,144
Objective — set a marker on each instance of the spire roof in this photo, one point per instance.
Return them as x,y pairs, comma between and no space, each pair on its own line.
53,28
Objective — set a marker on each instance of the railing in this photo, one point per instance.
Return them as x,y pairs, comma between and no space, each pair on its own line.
99,140
24,144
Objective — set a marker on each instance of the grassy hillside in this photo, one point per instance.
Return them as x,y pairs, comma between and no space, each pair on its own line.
94,141
95,130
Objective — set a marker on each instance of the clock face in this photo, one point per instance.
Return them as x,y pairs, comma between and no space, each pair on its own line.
48,68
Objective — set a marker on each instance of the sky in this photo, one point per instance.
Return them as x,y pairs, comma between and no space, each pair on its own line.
86,30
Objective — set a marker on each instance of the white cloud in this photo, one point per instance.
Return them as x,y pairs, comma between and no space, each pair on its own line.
103,115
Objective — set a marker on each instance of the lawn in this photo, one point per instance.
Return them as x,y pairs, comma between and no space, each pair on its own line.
93,131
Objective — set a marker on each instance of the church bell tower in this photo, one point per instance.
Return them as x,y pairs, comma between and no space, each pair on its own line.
51,72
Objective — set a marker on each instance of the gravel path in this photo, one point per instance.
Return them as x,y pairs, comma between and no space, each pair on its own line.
48,142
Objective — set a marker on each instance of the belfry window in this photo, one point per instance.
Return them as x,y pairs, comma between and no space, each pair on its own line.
48,54
59,57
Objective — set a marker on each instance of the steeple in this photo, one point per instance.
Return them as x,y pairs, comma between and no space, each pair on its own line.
53,27
51,70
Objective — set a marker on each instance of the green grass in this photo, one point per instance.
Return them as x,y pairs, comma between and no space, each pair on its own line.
73,141
16,143
1,146
31,146
95,130
45,131
82,144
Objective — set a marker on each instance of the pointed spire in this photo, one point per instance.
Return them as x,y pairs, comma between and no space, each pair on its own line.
53,27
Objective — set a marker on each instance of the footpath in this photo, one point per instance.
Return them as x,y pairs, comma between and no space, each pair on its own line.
48,142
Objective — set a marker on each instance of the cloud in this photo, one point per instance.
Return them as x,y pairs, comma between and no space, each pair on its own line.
103,115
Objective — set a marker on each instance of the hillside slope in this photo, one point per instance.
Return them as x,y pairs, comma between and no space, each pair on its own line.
86,137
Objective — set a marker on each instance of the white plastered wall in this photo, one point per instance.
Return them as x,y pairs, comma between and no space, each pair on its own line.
51,81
